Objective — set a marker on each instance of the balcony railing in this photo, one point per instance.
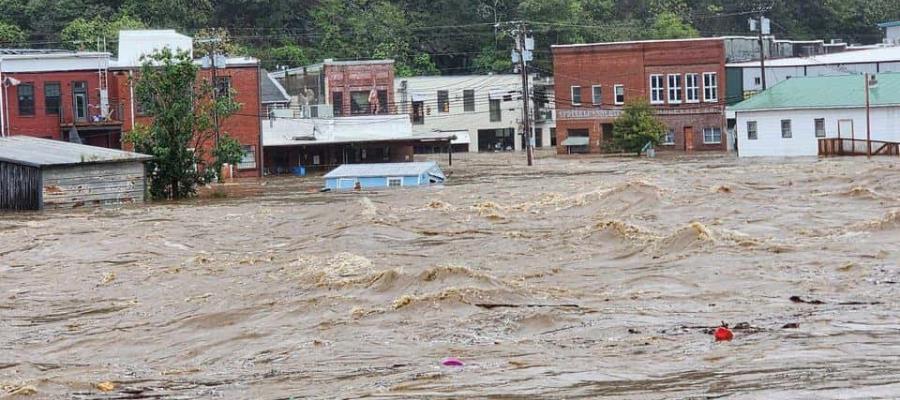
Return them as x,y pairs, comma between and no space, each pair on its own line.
94,115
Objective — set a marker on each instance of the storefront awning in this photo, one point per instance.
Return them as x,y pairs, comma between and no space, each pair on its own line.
461,138
576,141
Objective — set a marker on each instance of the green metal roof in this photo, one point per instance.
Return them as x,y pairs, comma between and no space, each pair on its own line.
889,24
845,91
576,141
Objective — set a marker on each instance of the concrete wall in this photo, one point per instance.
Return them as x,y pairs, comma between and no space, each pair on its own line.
803,141
93,185
485,86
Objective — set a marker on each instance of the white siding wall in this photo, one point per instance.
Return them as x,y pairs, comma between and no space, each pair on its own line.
893,35
885,126
458,119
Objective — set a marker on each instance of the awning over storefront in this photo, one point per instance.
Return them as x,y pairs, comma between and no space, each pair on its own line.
576,141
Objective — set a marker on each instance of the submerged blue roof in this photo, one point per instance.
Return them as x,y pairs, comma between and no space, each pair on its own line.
386,169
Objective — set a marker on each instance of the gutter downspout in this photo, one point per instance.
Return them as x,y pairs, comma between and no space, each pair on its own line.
262,155
2,103
131,96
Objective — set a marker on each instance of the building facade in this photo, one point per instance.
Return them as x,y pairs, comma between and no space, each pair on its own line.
681,79
483,111
793,117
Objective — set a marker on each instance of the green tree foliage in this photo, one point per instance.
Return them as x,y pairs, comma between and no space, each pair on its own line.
227,151
83,34
182,109
449,36
11,35
636,127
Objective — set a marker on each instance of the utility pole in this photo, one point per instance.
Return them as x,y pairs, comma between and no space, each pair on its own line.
762,48
868,119
526,117
213,53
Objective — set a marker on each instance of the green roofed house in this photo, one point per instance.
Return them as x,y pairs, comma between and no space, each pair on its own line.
820,115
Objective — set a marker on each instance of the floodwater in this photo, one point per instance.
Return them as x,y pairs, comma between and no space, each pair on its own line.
578,278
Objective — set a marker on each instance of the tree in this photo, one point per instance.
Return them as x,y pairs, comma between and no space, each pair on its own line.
636,127
669,25
11,35
182,109
83,34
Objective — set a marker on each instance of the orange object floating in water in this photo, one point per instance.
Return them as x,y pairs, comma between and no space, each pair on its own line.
723,334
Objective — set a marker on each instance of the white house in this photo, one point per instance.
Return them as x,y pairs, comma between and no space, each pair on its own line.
891,32
790,118
482,111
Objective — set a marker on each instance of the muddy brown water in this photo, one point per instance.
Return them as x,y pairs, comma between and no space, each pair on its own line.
578,278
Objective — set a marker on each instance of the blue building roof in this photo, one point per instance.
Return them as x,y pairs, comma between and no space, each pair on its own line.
889,24
386,170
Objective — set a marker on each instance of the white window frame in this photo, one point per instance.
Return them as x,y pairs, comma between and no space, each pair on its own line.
670,133
712,129
572,95
616,94
674,95
710,90
816,128
657,93
691,88
596,101
790,129
755,130
394,178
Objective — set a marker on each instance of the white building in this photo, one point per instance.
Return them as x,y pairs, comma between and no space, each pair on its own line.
793,117
891,32
135,44
482,111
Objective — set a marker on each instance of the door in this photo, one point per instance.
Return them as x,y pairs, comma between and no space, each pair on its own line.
845,128
688,138
80,101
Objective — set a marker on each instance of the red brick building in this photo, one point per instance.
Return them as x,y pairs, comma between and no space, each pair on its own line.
682,79
341,88
86,97
47,93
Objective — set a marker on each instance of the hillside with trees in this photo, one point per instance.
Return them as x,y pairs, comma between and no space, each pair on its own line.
427,37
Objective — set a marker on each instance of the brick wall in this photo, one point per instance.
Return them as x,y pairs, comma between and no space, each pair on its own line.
361,77
631,64
43,124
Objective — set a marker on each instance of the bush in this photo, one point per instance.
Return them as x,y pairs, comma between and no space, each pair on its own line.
636,127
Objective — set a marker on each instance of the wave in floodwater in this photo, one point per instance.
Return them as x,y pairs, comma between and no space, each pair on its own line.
578,278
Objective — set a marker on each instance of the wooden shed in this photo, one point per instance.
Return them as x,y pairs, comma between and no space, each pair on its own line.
39,174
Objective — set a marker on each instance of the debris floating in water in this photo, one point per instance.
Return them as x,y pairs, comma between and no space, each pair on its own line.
106,386
452,362
723,334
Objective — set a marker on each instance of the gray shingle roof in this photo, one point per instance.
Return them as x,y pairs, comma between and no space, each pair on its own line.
271,90
36,152
387,169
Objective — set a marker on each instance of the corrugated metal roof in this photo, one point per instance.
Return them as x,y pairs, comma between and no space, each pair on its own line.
386,170
847,91
36,152
890,24
882,54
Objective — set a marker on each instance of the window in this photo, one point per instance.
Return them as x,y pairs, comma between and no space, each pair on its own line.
712,135
620,94
669,138
395,182
52,101
692,88
757,81
657,90
443,101
337,99
674,89
710,87
248,160
80,100
786,129
469,100
752,134
496,112
26,98
576,95
820,127
597,93
418,114
382,102
223,86
359,103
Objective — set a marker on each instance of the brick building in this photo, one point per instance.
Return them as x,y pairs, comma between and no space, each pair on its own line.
340,88
682,79
47,93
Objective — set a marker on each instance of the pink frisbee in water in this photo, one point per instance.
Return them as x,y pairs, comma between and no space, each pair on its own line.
452,362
